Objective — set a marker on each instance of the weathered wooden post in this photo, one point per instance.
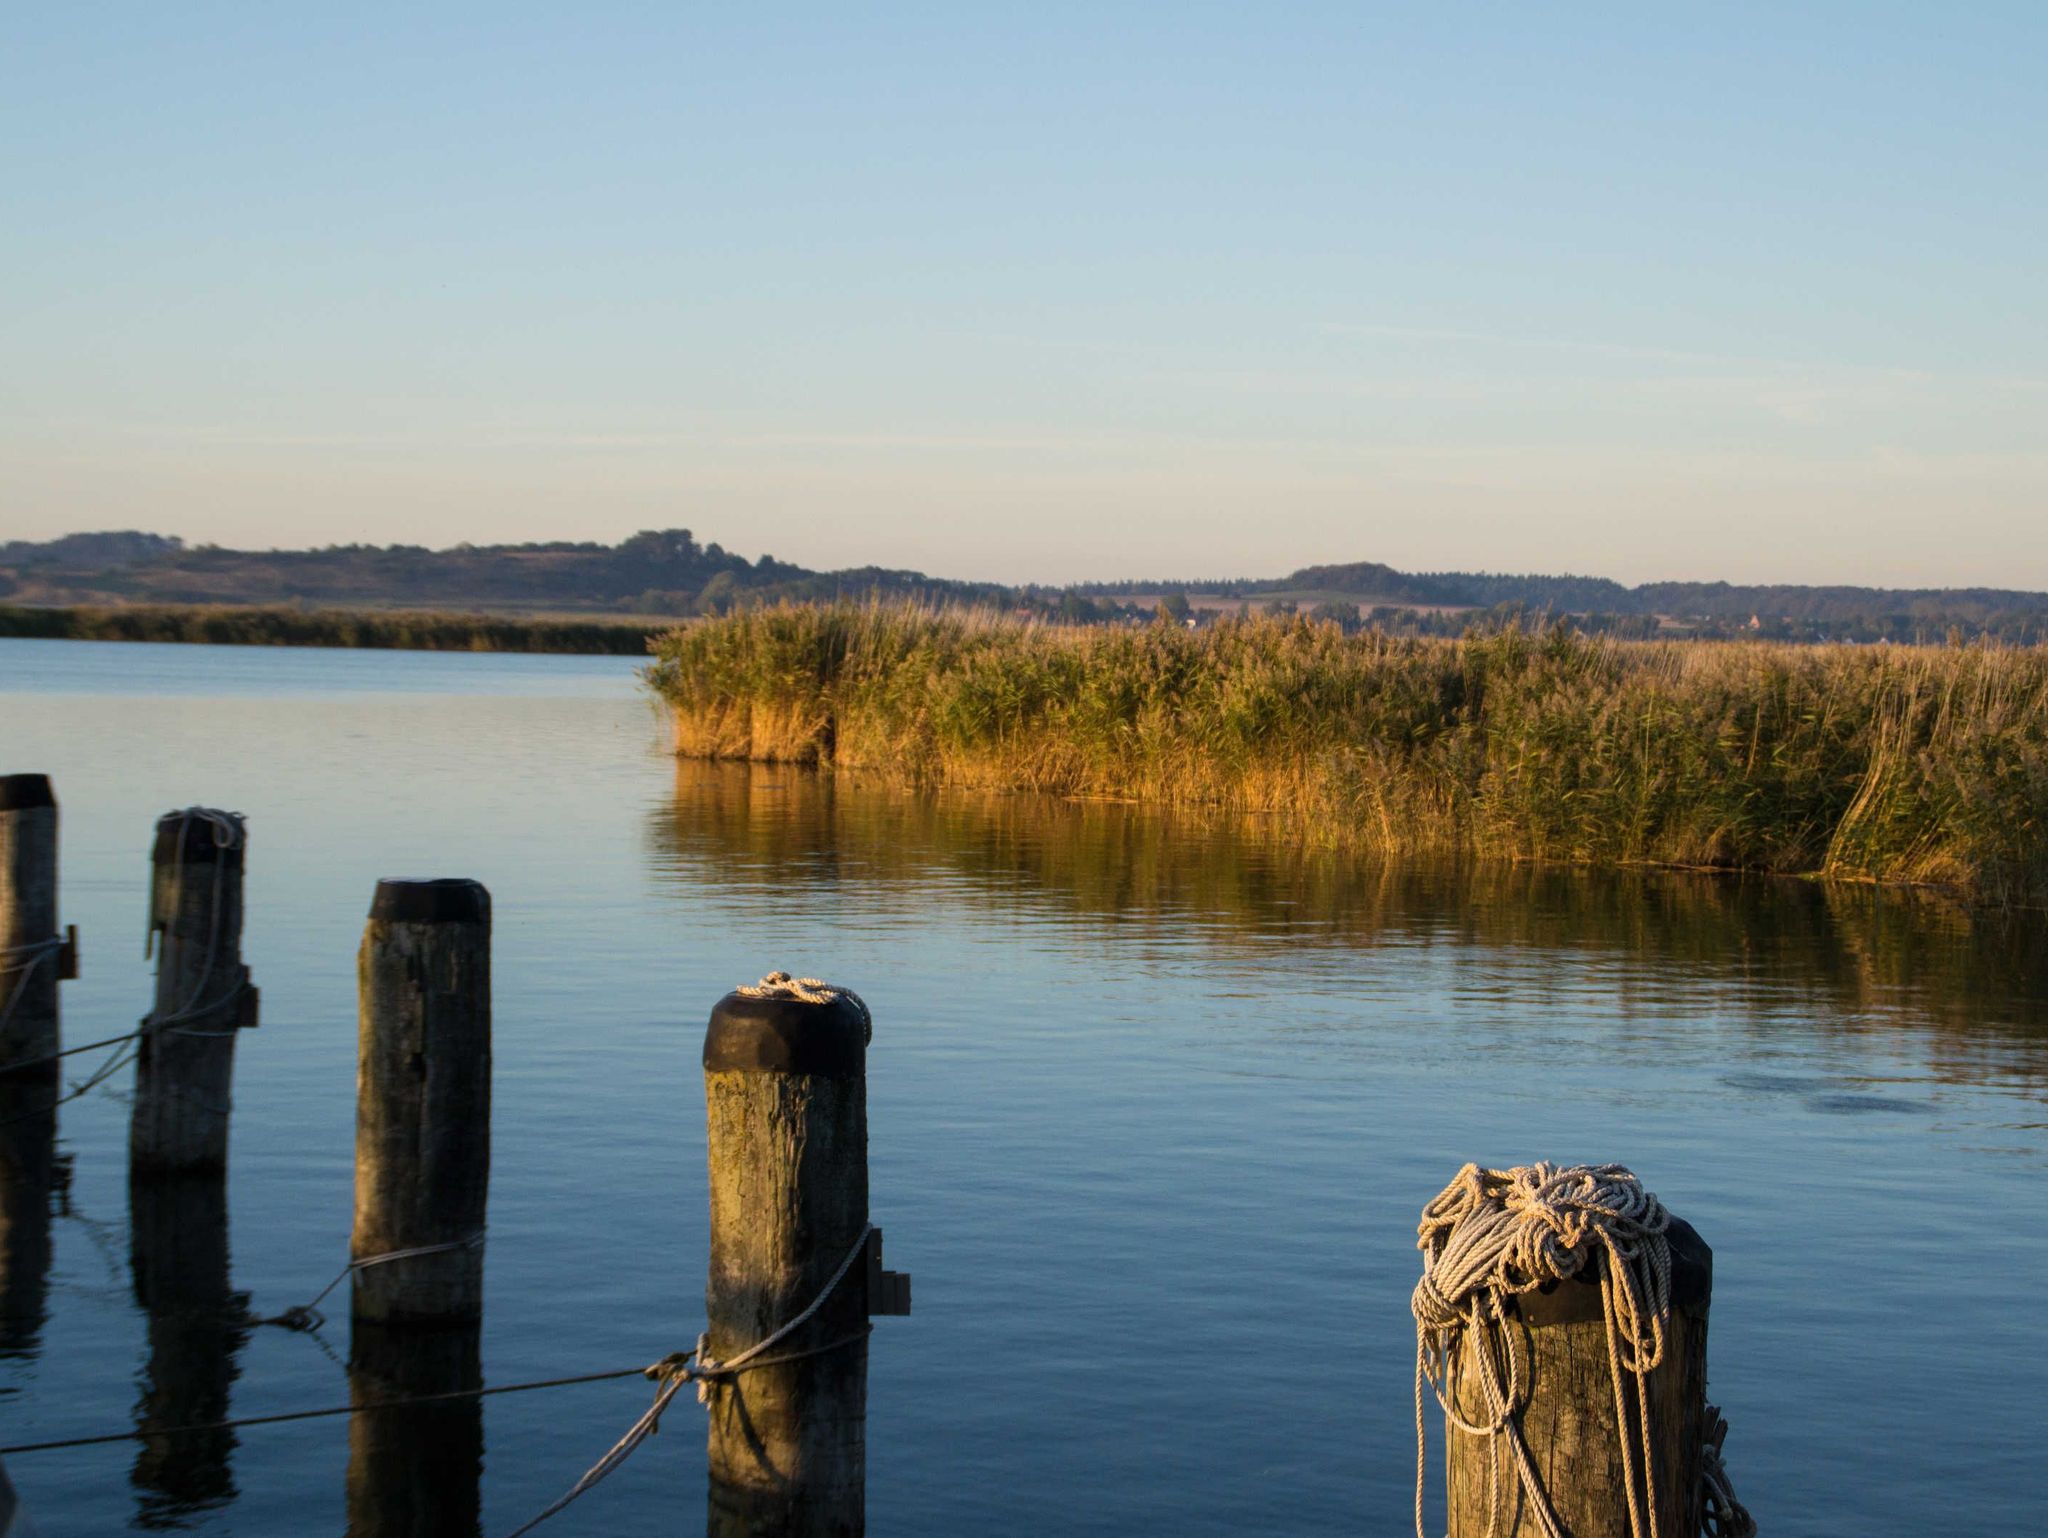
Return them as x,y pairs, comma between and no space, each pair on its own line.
414,1472
33,954
423,1103
197,1326
1545,1354
785,1085
184,1070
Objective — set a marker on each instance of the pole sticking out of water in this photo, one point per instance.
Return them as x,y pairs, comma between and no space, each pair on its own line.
1562,1320
423,1103
33,955
785,1086
185,1065
31,962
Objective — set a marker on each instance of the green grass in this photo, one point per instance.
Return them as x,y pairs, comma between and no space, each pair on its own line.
398,630
1878,763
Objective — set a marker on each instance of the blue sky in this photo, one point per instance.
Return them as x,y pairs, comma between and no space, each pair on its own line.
1047,292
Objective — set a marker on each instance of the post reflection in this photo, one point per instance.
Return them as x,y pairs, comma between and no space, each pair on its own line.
414,1472
197,1326
28,1171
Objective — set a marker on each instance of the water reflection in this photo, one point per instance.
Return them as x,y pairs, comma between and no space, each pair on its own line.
1973,985
414,1472
197,1326
28,1171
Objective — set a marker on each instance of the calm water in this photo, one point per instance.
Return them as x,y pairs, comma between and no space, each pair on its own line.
1153,1111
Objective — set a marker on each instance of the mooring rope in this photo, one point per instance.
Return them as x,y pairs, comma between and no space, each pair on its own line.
24,959
1493,1235
808,990
123,1055
307,1316
143,1435
699,1367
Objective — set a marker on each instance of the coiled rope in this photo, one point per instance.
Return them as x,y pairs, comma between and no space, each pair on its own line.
1492,1235
809,990
700,1367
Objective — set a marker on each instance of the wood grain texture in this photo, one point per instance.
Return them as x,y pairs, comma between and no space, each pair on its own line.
1573,1435
28,916
184,1071
423,1116
789,1199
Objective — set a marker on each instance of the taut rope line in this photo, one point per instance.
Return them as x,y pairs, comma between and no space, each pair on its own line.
699,1367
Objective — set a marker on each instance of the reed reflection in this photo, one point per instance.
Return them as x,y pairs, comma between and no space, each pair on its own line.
1971,986
414,1472
197,1326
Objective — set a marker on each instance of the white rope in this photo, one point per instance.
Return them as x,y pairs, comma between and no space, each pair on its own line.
699,1366
808,990
1493,1235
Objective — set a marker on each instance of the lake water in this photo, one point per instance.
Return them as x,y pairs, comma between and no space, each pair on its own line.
1153,1112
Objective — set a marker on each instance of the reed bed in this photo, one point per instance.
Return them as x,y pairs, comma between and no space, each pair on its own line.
392,630
1869,763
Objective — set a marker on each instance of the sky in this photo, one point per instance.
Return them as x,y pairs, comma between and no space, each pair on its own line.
1041,293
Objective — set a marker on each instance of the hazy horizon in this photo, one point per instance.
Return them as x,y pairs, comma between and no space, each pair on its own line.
1052,296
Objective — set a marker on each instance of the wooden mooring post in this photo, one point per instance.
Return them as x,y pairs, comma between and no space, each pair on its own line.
1574,1402
423,1103
185,1066
34,954
785,1085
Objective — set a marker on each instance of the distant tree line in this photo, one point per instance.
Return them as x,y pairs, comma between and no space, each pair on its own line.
669,574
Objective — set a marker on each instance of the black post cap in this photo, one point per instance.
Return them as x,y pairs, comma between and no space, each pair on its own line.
1578,1300
771,1035
183,838
22,792
441,900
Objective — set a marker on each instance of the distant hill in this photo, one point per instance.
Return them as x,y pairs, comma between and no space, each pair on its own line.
667,572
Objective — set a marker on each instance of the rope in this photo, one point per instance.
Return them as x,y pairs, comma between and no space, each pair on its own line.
698,1365
140,1435
80,1088
1721,1514
1493,1235
51,1057
808,990
307,1316
24,959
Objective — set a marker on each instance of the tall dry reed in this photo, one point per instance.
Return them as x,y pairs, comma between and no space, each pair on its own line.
1871,763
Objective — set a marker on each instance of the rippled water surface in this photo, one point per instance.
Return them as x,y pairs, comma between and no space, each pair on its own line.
1153,1109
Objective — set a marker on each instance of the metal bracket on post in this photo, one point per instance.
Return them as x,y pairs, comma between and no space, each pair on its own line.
888,1291
246,1003
67,955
